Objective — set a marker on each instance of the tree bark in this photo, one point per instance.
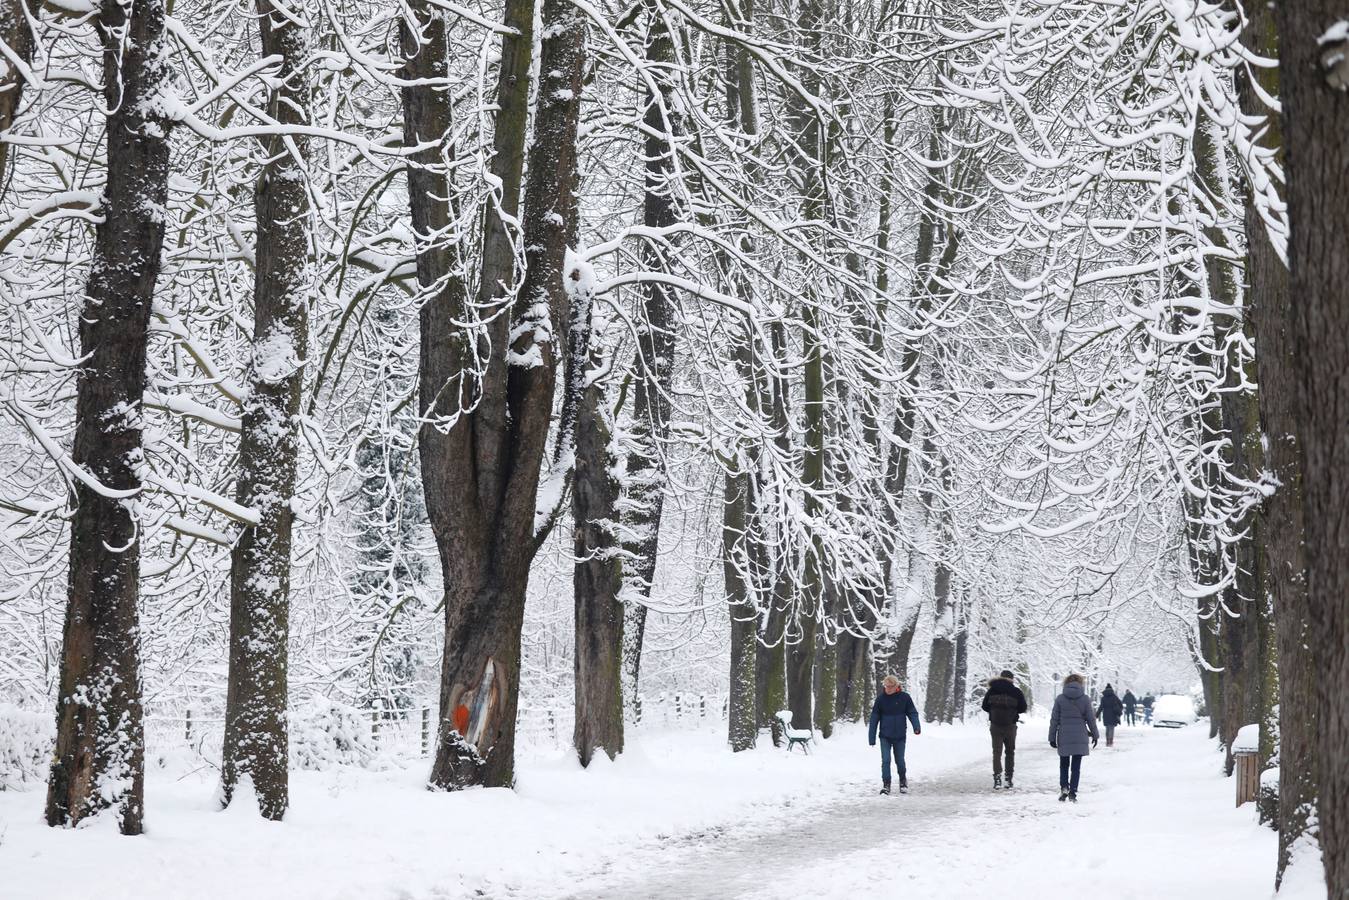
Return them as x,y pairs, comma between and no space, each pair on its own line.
17,34
808,158
1282,524
1315,122
597,579
644,493
941,661
742,724
256,744
1242,604
771,662
99,758
486,392
962,664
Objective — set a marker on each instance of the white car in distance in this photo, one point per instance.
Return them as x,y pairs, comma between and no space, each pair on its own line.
1173,711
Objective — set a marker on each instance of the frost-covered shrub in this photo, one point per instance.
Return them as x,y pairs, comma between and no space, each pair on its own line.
325,733
25,747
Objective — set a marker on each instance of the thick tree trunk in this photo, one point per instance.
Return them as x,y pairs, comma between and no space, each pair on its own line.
17,35
256,744
854,676
1282,524
1315,122
941,661
597,579
770,667
486,393
644,493
99,758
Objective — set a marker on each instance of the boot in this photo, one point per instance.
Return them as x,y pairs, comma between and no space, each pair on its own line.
1009,782
1072,795
1063,794
997,781
885,788
903,786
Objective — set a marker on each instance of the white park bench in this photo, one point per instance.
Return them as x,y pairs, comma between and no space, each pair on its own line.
795,736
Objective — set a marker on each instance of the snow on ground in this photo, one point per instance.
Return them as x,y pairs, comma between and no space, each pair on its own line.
679,816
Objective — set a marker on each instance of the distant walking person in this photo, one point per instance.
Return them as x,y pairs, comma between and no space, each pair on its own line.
1004,704
1110,710
1147,709
1070,725
1130,708
888,713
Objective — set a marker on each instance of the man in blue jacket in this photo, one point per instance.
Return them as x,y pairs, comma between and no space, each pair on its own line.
891,708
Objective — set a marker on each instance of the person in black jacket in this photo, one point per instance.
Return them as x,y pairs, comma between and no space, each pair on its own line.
1109,713
1004,704
1130,708
888,714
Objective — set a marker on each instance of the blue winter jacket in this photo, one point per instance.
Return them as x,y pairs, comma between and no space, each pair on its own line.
889,712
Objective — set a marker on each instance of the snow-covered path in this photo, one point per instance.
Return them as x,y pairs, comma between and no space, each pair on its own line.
741,865
1152,821
680,816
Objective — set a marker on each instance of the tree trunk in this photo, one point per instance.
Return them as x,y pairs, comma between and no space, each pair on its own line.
644,494
962,664
256,743
941,661
1315,122
597,579
1243,599
742,725
771,663
17,35
99,758
486,392
1282,524
808,159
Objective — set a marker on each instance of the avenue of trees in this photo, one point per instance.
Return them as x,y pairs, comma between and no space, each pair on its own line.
878,335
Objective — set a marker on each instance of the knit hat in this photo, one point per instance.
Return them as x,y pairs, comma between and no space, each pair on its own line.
1006,673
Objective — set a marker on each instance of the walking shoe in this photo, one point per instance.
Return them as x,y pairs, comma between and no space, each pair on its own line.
997,782
1073,796
1063,794
885,789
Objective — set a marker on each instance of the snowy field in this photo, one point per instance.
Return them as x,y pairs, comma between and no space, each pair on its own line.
678,816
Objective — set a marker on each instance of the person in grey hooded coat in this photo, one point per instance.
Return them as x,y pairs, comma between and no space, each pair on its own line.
1072,725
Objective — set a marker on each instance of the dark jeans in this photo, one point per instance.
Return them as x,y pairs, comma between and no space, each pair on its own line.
1004,738
896,748
1065,782
1130,717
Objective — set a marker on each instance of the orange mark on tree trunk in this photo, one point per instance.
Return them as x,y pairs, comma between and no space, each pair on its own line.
461,719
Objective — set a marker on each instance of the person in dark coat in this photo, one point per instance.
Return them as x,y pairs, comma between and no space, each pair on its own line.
1130,708
1109,712
1004,704
888,714
1147,709
1071,725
